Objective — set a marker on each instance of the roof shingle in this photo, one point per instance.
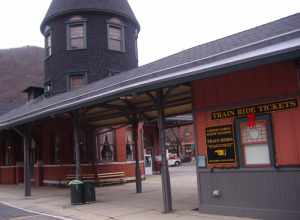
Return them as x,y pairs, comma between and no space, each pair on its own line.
61,7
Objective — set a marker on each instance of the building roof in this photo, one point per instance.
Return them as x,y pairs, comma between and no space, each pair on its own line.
277,40
6,107
62,7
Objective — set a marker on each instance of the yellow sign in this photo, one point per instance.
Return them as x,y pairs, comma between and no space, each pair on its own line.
256,109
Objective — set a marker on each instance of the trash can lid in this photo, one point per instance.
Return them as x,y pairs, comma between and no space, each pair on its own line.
75,182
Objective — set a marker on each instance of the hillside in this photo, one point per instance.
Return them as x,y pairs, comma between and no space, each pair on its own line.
19,68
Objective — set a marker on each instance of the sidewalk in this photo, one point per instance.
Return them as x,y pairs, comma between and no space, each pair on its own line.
114,202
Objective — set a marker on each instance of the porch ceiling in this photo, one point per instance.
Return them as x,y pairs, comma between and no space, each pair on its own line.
178,100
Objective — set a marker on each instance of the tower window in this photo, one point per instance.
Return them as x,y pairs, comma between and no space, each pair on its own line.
136,34
48,44
76,36
116,40
48,88
76,81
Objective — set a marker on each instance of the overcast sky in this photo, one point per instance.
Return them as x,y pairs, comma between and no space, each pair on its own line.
168,26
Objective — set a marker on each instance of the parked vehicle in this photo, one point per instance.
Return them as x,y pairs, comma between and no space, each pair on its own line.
174,160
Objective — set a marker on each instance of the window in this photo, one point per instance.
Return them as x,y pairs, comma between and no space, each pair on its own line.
105,142
116,35
76,81
8,155
48,89
76,34
136,44
256,143
48,44
57,148
129,144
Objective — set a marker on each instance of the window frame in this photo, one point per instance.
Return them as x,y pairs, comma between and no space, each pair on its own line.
116,23
77,22
99,158
47,47
49,85
129,130
270,140
69,76
136,50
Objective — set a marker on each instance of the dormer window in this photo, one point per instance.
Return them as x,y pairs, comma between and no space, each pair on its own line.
76,33
116,39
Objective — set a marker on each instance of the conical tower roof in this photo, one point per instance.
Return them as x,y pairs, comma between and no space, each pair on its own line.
61,7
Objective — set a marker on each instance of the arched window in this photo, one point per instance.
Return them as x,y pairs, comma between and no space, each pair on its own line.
105,142
115,35
76,33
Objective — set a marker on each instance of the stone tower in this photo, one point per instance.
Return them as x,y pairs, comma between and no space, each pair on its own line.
87,40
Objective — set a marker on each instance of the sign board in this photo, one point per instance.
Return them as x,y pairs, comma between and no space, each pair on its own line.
256,109
201,161
220,144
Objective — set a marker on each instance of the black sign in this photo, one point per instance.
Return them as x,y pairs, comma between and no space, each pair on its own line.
256,109
220,144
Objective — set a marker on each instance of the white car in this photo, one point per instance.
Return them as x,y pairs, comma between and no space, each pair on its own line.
174,161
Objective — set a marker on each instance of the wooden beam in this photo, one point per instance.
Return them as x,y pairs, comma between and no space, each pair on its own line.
137,110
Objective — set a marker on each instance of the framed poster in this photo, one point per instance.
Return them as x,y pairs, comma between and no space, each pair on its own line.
220,143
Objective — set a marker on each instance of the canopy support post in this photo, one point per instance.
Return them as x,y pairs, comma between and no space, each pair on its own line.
76,128
165,175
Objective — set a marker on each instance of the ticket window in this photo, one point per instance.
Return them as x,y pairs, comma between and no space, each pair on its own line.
256,146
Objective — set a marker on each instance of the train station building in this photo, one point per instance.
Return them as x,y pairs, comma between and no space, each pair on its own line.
99,112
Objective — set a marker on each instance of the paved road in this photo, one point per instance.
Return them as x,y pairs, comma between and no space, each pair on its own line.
9,213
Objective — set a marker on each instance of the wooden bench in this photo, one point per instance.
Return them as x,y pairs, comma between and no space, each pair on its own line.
84,177
111,178
101,178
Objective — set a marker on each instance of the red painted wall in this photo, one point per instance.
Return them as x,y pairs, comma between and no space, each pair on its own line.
121,143
8,175
257,85
278,79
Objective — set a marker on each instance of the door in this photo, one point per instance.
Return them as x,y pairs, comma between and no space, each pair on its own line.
148,165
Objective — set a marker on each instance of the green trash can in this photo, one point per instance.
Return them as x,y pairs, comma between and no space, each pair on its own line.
77,192
89,192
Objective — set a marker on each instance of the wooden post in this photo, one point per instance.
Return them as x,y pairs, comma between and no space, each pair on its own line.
165,176
138,175
75,122
1,149
27,176
196,155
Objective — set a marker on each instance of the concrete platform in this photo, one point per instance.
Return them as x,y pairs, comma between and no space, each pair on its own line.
118,202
